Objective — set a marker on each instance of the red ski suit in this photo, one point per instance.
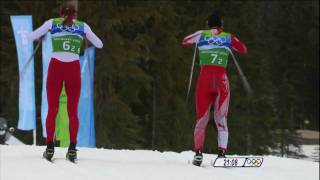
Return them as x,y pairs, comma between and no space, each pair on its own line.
64,67
212,89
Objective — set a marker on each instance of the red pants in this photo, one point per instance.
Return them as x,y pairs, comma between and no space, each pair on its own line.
59,72
212,89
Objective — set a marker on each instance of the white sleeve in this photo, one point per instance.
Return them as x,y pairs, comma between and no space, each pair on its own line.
92,37
193,38
42,30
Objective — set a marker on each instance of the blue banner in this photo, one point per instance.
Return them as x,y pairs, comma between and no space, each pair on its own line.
86,133
46,56
22,25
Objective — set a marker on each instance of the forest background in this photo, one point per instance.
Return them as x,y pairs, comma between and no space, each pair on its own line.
142,72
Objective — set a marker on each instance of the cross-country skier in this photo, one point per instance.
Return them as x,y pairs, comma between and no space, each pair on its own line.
68,35
212,87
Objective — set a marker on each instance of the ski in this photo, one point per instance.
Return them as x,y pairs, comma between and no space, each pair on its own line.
72,161
203,165
49,160
53,160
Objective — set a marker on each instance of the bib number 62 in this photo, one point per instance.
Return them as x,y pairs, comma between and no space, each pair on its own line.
66,46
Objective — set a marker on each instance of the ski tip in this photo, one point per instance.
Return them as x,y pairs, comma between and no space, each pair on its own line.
74,161
49,160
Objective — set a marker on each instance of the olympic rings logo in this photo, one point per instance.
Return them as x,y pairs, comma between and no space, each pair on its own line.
216,40
254,162
71,28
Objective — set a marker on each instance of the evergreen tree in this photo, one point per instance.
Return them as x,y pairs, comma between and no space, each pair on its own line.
141,74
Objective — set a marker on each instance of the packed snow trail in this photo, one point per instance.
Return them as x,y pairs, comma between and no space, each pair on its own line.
26,163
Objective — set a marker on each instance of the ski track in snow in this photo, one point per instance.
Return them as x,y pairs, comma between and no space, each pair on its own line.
26,163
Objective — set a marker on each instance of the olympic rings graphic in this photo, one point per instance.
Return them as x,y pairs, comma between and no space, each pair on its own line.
254,161
216,40
71,29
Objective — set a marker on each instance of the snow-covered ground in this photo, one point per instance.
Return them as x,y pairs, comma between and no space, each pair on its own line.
311,152
25,163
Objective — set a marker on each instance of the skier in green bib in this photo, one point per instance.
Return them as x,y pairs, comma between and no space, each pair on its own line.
212,87
68,35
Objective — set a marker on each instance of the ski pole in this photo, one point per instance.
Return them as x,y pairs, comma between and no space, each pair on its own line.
30,59
191,71
245,82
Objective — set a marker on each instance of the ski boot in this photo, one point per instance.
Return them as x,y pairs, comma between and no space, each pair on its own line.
48,153
72,152
221,153
197,159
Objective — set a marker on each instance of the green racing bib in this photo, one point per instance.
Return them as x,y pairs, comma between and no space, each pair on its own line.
67,38
212,48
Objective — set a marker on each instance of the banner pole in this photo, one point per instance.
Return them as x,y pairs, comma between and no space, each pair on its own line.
35,136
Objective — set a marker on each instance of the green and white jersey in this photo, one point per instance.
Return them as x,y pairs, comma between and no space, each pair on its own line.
67,38
66,41
212,48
